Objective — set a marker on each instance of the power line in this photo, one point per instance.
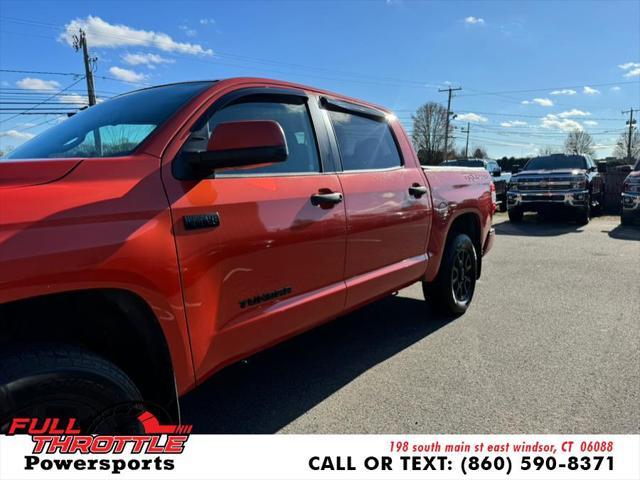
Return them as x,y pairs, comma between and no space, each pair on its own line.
544,134
243,58
38,112
122,81
4,102
52,109
36,91
376,79
34,72
44,101
549,88
497,114
46,121
510,144
535,130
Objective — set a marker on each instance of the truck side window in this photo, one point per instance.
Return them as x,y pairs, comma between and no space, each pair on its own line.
364,143
294,120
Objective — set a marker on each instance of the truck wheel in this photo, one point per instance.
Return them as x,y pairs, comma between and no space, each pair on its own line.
598,209
515,215
625,219
582,216
452,290
63,382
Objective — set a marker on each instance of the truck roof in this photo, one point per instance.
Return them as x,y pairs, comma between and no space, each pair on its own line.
239,81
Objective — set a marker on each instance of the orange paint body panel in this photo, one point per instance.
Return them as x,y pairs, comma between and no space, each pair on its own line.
104,225
274,266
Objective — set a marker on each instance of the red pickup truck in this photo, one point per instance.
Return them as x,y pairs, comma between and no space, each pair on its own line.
151,240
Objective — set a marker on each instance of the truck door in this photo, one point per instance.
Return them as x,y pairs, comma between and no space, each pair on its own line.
387,202
270,263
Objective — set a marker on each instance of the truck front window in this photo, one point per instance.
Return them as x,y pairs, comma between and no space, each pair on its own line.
113,128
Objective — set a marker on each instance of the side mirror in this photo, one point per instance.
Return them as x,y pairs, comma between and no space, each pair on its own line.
602,167
241,144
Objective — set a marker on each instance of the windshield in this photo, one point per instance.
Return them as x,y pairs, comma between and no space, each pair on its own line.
553,162
113,128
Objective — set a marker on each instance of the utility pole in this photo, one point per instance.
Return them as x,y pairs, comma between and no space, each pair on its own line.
80,42
446,133
631,122
466,149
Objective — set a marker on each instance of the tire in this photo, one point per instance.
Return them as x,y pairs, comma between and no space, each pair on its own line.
515,215
65,382
503,205
625,219
451,293
583,214
598,210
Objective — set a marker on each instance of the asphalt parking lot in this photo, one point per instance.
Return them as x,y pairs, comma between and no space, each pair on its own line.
551,344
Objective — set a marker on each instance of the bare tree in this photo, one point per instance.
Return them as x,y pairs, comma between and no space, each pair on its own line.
480,153
429,130
621,149
579,142
548,150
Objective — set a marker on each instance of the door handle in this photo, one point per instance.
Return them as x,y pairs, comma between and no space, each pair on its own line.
417,191
326,199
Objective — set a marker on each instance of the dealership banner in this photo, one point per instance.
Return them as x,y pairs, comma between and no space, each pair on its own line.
179,455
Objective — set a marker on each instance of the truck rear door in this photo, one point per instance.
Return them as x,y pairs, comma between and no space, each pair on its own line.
387,203
274,263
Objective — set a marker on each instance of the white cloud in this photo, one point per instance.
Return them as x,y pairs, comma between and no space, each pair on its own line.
564,124
126,75
148,59
209,21
633,73
73,98
102,34
474,21
543,102
471,117
513,123
615,89
565,91
29,83
591,123
573,113
16,135
590,91
189,32
629,65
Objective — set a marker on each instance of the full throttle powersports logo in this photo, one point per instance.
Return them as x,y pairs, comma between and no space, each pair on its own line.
54,437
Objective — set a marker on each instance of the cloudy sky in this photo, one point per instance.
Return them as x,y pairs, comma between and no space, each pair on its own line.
529,71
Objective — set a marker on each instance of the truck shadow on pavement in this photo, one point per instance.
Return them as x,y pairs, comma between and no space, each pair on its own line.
275,387
624,232
534,225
